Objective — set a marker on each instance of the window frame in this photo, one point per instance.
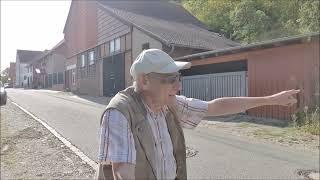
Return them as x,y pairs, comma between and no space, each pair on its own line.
83,60
111,46
115,45
91,54
73,76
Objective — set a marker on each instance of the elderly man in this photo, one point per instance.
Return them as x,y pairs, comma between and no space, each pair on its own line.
141,133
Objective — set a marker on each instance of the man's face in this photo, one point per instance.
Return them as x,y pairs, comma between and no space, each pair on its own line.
164,87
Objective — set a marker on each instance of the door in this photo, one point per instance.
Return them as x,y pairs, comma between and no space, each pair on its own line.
113,75
212,86
67,80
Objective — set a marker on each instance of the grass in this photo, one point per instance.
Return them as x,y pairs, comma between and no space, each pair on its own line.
307,120
276,132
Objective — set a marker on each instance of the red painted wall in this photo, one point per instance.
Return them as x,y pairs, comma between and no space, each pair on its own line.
81,27
276,69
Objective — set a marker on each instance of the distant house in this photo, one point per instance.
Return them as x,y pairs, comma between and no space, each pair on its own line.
104,37
48,68
23,58
258,69
12,74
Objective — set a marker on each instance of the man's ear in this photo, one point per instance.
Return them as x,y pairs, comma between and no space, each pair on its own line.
143,81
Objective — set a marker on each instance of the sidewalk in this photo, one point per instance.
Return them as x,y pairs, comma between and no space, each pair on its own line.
30,151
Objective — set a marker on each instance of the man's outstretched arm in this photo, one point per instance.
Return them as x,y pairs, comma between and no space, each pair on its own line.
233,105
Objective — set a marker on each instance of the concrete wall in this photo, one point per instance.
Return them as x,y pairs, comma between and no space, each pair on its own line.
17,83
12,73
58,87
139,38
22,71
89,86
58,63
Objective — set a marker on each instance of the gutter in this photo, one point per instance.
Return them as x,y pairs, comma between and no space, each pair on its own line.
255,46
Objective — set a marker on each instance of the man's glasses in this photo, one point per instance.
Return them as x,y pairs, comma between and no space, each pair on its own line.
166,79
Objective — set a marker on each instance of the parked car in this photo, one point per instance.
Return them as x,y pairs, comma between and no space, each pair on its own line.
3,95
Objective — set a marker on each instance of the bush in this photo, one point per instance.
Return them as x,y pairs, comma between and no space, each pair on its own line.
308,120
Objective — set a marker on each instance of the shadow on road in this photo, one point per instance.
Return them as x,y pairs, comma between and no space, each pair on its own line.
240,118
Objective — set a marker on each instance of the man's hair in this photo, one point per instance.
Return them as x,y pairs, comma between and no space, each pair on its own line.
135,84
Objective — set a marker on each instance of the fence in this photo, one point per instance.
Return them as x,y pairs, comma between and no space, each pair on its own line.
212,86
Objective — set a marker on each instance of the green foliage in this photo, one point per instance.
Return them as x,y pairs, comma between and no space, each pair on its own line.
256,20
308,120
309,16
4,79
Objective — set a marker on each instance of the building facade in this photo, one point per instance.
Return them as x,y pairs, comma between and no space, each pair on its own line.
259,69
104,37
23,58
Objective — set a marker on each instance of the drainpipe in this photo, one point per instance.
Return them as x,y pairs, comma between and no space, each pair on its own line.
172,49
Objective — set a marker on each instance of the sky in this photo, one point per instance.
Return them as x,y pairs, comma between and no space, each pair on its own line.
30,25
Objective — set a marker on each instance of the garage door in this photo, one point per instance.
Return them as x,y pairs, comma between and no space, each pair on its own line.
212,86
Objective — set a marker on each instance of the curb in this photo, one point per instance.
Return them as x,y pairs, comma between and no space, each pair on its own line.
67,143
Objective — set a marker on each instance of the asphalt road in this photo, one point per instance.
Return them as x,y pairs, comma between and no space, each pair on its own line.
218,155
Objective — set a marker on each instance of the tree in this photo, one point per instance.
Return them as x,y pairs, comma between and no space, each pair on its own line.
257,20
215,14
309,16
249,21
5,75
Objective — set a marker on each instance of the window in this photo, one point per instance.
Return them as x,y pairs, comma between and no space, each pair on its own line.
114,45
50,81
145,46
103,50
98,52
73,80
54,78
60,78
82,65
117,45
91,57
24,77
83,60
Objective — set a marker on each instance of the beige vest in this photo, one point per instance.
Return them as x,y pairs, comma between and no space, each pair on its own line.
129,103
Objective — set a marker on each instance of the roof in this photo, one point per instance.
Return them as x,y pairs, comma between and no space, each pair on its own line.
46,52
27,56
159,9
167,22
59,44
254,46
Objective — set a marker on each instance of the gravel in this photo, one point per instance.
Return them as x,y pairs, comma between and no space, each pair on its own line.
30,151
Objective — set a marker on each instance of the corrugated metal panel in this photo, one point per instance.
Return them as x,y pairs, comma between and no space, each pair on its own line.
212,86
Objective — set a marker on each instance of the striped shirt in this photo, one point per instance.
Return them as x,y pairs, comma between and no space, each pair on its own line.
117,143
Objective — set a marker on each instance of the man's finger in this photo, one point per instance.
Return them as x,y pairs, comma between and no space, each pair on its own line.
293,91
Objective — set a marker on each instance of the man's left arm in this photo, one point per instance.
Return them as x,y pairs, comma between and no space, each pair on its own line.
233,105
